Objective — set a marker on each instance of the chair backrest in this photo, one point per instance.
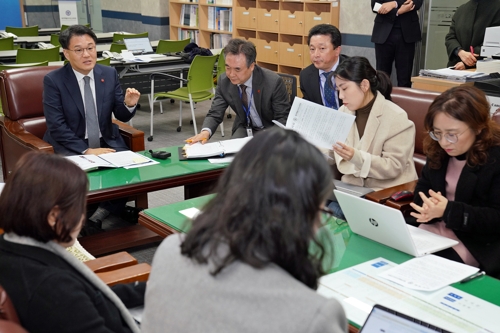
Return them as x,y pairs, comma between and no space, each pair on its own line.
171,46
35,64
21,96
415,102
117,47
37,55
23,31
290,82
6,43
54,40
7,310
200,75
119,37
221,64
104,61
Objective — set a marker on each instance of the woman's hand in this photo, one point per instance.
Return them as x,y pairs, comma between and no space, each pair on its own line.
344,151
432,207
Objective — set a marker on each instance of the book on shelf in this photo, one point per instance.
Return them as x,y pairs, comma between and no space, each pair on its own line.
218,41
123,159
214,149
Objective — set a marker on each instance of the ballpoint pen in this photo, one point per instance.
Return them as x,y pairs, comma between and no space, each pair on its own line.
472,277
471,49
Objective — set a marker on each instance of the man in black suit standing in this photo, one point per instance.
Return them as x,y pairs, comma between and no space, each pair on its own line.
395,32
324,42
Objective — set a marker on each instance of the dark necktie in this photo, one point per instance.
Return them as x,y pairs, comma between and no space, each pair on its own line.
329,92
91,115
244,97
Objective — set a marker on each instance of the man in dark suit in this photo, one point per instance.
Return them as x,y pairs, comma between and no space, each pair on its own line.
64,96
395,32
79,100
324,42
257,95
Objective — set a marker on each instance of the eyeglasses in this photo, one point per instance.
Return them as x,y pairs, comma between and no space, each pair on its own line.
450,137
79,52
329,214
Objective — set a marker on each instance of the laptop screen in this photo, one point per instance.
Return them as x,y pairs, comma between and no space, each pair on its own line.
138,45
382,319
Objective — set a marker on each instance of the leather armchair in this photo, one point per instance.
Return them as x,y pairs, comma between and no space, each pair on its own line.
23,125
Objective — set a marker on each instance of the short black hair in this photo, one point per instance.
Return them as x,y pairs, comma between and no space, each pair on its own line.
267,208
40,182
75,30
326,29
237,46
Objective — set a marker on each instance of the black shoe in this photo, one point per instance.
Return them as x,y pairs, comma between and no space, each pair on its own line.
131,214
91,228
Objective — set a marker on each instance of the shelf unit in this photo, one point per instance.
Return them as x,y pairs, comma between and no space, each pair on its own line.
277,28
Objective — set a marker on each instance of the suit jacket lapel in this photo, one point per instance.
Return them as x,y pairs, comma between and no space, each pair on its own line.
257,87
316,87
73,89
466,182
99,90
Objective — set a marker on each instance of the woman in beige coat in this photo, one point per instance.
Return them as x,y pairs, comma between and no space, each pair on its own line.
378,152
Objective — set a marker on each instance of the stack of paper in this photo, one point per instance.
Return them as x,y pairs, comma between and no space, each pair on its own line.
455,75
488,66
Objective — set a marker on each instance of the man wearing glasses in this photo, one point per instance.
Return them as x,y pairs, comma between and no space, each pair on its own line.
79,100
324,42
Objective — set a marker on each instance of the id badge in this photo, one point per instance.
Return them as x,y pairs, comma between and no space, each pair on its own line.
249,132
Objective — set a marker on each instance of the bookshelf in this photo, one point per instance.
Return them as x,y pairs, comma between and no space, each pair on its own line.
277,28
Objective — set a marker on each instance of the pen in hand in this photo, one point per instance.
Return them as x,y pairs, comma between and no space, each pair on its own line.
472,277
471,49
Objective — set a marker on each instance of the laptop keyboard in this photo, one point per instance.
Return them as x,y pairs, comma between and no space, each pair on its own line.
416,321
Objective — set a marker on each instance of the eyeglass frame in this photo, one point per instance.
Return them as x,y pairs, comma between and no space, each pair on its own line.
448,137
89,50
330,214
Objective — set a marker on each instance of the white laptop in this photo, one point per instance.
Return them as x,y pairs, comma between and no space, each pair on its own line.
387,225
359,191
139,45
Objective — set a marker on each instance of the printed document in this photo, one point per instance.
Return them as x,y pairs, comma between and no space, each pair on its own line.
321,126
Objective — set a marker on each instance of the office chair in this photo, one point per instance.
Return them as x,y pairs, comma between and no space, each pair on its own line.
171,46
221,69
104,61
37,55
117,47
6,43
117,37
199,87
54,40
23,31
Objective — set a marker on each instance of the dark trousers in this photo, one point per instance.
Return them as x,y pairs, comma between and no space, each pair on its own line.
395,49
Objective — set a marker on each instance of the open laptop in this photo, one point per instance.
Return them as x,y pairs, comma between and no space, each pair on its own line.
139,45
387,225
382,319
356,190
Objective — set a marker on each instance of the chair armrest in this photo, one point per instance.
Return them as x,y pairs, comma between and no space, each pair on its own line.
382,196
152,77
134,138
129,274
23,138
111,262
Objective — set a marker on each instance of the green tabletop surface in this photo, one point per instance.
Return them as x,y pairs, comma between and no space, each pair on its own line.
349,249
108,178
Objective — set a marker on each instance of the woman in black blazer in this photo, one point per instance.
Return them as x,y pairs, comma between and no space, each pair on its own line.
42,209
458,194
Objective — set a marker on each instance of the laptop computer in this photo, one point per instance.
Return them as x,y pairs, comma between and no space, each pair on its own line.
382,319
139,45
387,225
356,190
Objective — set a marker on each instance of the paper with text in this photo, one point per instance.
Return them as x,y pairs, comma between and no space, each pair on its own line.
128,159
428,273
321,126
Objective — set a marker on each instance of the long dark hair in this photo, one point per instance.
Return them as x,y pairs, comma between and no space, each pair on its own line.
266,208
357,69
467,104
39,183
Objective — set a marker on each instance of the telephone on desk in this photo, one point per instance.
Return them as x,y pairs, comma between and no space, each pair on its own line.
5,34
112,55
44,46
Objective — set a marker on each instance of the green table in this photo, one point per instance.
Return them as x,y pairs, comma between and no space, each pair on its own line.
195,175
166,220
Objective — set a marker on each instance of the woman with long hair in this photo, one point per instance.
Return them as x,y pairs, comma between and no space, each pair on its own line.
458,194
246,265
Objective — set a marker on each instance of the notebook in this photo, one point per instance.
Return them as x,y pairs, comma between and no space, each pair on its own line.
387,225
138,45
382,319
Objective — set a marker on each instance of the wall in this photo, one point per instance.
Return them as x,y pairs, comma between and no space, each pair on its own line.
356,20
